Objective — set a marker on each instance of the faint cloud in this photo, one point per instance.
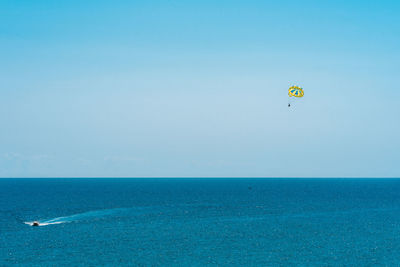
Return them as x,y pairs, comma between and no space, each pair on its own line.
122,159
14,164
18,156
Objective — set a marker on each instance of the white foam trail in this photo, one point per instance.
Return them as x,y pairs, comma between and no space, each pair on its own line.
43,223
79,217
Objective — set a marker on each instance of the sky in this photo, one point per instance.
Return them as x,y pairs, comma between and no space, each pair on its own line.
199,88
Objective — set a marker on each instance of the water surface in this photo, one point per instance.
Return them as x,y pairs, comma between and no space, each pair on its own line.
197,222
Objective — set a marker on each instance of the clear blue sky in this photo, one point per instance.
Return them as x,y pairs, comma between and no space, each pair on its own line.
199,88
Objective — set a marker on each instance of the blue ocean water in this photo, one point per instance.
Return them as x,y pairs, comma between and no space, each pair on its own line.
200,222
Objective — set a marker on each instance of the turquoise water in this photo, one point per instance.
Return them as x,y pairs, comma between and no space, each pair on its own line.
200,222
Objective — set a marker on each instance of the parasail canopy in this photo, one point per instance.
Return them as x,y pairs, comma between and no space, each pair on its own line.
296,91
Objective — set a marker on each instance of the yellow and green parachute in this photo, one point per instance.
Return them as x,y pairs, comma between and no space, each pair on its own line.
295,91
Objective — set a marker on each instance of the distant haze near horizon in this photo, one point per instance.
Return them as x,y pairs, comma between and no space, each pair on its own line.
173,89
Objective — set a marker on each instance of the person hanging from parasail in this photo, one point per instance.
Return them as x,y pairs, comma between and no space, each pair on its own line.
295,91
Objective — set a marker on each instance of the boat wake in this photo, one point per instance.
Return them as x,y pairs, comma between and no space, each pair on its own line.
43,223
115,212
90,215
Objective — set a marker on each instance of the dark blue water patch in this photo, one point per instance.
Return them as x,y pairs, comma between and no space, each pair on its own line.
178,222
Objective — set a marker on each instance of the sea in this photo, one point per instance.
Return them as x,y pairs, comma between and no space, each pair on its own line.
200,222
